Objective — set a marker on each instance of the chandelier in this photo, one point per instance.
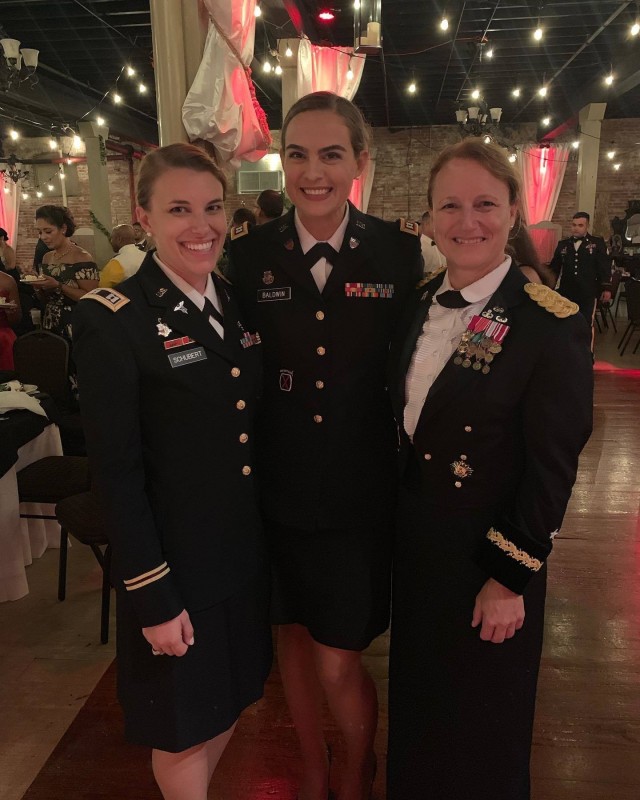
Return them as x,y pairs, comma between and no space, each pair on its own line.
17,65
13,169
478,119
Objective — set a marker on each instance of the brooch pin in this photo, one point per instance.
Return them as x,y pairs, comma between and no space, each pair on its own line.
163,329
181,307
481,342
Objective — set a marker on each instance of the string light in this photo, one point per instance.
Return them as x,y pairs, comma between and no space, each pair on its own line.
546,122
349,74
288,52
575,144
266,67
537,34
131,72
516,92
412,88
635,29
100,121
142,88
258,11
512,157
62,176
38,193
475,94
444,24
116,98
13,133
25,196
489,53
356,4
617,166
77,141
487,139
50,187
542,91
609,79
278,69
53,145
6,190
611,155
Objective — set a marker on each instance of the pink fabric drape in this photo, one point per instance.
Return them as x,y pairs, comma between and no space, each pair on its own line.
324,69
9,206
542,170
221,106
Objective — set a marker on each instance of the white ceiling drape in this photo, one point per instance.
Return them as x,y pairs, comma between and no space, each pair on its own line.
324,69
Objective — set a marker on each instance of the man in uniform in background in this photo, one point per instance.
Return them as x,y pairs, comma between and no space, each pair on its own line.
583,268
127,259
432,257
269,205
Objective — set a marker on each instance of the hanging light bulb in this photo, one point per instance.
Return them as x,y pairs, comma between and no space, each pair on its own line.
62,176
475,94
77,141
25,196
53,145
489,53
142,88
546,122
611,155
349,74
411,88
100,121
69,161
512,157
609,79
516,92
444,24
617,166
288,52
575,144
6,190
38,193
487,139
258,11
50,187
266,67
542,91
537,34
278,69
635,29
116,98
13,133
131,72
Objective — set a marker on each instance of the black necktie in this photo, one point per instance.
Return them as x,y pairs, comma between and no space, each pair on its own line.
318,251
210,310
452,299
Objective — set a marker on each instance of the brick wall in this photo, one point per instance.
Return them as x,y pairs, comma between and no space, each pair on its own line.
402,163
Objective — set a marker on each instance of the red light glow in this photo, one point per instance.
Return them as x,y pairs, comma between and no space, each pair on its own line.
326,16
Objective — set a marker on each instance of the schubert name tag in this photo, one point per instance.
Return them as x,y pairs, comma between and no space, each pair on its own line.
187,357
269,295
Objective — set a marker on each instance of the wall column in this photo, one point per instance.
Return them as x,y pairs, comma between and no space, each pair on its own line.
289,73
94,138
590,118
169,67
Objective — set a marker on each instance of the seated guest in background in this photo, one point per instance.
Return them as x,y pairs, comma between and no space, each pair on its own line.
492,385
522,249
7,254
583,268
171,451
8,318
432,257
127,259
69,272
269,205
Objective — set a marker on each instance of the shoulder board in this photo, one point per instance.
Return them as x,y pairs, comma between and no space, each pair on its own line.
110,298
217,273
406,226
551,301
430,276
238,231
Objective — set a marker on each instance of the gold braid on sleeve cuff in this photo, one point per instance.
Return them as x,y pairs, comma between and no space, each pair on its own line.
522,557
146,578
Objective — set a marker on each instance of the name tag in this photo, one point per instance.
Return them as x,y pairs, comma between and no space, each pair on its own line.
383,290
269,295
187,357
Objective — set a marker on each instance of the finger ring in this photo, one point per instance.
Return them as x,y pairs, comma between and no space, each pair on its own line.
156,652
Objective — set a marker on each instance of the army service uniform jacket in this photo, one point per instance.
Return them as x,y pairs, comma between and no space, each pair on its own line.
503,437
583,273
167,407
327,440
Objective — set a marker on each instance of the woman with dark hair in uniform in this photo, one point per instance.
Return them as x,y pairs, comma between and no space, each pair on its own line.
324,285
168,381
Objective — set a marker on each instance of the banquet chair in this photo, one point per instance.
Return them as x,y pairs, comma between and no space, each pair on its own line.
50,480
633,311
604,309
80,516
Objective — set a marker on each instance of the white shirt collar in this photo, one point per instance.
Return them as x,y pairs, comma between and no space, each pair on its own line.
481,289
307,241
193,294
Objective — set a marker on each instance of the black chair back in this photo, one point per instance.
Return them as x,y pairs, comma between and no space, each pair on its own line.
42,358
632,288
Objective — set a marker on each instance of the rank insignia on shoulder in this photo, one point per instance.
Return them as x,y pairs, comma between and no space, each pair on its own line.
110,298
406,226
430,276
238,231
551,301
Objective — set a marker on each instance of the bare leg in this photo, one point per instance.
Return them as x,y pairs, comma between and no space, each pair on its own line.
186,775
352,698
304,698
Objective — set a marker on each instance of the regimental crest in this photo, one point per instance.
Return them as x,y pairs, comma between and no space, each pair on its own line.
286,380
289,245
267,277
163,328
551,301
353,242
461,468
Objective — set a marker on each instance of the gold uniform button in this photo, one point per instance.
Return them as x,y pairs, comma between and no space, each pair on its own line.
246,470
467,428
458,485
317,418
241,405
320,315
319,384
427,456
244,437
235,372
321,351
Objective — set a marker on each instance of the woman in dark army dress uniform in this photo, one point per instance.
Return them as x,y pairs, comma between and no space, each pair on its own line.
492,385
168,382
323,285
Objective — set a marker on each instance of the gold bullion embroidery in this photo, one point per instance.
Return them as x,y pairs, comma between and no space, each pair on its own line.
551,301
430,276
110,298
494,536
147,577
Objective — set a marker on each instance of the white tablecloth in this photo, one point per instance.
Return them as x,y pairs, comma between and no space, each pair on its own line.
22,540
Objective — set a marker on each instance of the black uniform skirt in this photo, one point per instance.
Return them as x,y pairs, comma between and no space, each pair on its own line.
173,703
460,709
334,582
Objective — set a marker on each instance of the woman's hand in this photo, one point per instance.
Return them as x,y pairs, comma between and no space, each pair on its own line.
48,284
500,611
171,638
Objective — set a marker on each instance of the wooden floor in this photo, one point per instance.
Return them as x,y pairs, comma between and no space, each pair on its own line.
587,734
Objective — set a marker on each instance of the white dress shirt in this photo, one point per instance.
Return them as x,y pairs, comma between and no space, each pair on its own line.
194,295
322,268
440,337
